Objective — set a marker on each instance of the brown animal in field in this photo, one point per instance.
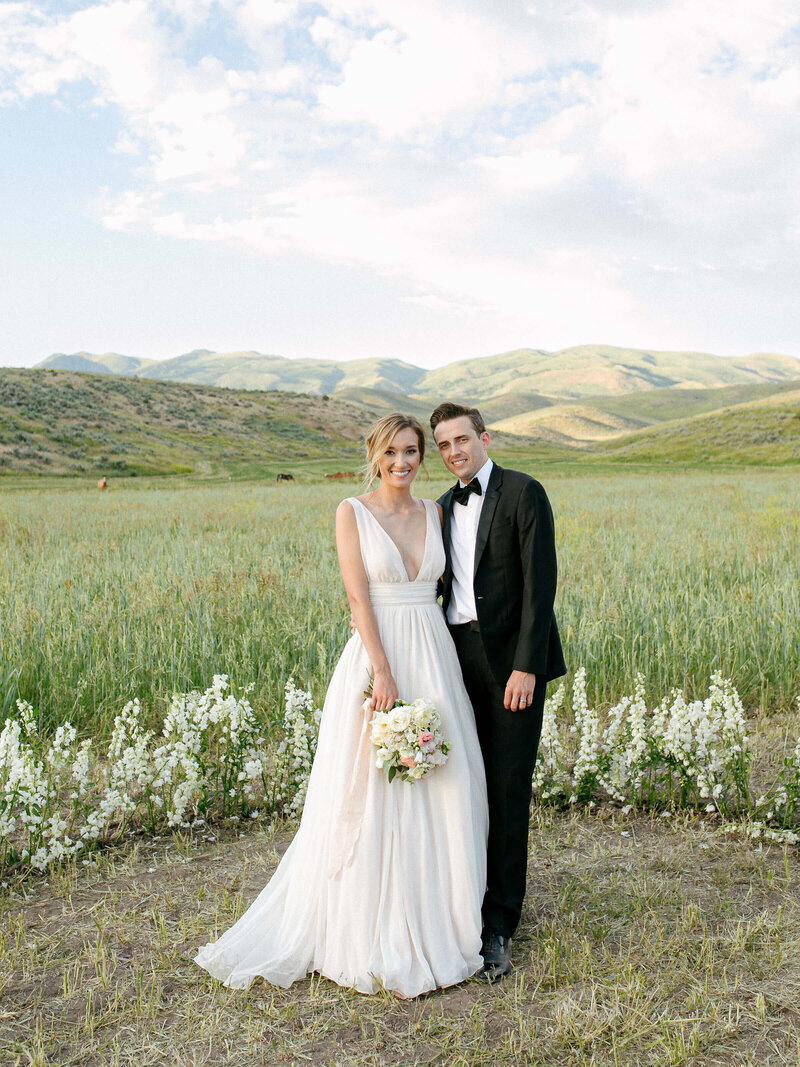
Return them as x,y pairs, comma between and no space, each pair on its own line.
103,483
343,474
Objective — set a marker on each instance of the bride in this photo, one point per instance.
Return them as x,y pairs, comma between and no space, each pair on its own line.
383,883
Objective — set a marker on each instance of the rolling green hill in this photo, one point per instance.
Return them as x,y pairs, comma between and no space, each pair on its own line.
70,422
65,422
661,405
373,400
130,419
763,431
601,418
383,403
507,405
568,424
73,423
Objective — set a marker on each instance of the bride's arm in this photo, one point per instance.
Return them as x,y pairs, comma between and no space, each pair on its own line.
356,584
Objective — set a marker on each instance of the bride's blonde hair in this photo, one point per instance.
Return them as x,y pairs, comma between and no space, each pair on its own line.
381,436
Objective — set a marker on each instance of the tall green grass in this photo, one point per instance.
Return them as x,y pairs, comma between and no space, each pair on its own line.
678,575
147,591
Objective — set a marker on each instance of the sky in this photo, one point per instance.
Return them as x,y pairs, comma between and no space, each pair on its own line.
426,180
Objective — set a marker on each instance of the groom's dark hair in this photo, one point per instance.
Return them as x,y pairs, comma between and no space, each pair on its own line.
447,411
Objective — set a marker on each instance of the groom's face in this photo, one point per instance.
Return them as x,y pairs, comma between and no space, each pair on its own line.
462,449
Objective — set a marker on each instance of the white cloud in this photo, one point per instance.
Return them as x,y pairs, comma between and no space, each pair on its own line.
127,210
538,163
420,71
529,169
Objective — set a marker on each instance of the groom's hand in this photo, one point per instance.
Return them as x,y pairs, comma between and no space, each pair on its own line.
519,690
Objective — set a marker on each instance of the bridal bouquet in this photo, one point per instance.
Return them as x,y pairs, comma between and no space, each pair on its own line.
408,739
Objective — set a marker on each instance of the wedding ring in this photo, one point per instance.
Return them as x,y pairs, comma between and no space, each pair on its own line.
523,703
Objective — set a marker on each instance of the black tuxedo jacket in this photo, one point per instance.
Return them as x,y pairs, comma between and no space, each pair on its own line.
514,577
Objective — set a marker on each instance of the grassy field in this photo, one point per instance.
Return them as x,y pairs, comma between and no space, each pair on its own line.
644,941
148,589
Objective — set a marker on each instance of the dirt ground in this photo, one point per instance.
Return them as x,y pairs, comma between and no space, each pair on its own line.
645,940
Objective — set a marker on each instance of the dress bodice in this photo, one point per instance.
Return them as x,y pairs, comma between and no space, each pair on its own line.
382,560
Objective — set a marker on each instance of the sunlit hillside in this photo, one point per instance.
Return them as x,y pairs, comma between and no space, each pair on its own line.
568,424
761,431
63,422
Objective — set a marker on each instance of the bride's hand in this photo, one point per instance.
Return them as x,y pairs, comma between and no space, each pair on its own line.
384,691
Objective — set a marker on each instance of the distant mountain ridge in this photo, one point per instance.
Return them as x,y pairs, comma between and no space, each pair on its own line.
252,370
569,374
109,363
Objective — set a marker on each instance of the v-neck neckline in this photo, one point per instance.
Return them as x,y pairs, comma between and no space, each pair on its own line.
393,543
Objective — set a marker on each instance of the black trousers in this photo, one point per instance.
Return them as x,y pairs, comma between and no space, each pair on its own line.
509,741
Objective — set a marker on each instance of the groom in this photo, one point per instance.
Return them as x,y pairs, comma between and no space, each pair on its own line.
499,587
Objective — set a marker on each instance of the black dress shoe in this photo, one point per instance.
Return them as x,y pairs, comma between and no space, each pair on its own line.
496,952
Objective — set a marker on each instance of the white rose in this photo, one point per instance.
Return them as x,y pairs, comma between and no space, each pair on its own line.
399,718
422,712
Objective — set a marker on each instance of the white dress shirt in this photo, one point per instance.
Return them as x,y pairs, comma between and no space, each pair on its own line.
463,534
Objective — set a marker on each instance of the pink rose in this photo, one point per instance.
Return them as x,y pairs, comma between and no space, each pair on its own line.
407,761
426,741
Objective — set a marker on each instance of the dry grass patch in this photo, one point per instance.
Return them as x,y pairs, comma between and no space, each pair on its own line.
645,941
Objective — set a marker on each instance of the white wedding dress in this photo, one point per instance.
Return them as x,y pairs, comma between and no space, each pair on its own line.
383,883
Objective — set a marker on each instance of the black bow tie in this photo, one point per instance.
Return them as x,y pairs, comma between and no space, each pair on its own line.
461,492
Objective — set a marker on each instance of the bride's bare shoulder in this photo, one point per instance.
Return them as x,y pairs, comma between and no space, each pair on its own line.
438,507
345,510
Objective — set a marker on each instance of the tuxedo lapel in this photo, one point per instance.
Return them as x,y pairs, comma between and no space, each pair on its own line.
487,513
447,508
